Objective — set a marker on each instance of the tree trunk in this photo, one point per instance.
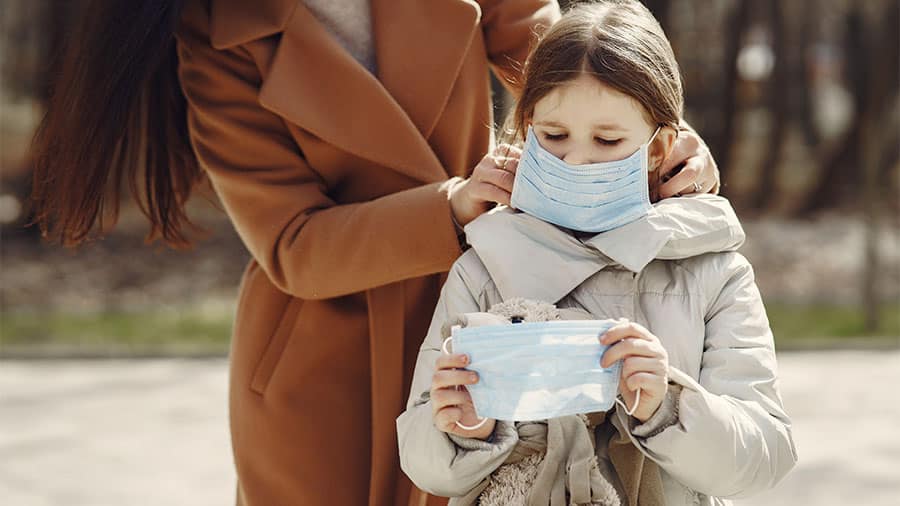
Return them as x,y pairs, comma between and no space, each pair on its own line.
721,148
838,180
767,188
802,75
881,54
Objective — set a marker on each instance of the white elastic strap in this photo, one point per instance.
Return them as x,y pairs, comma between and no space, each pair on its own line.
444,345
461,426
476,426
637,401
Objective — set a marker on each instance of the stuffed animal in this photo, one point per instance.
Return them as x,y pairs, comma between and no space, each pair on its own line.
554,461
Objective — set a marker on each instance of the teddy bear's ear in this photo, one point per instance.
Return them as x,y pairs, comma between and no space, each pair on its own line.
447,327
525,310
471,320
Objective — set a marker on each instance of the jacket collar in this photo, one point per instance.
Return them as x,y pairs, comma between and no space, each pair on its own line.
529,258
315,84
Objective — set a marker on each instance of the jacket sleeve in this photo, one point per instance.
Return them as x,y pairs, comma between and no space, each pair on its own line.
732,437
309,245
510,30
432,460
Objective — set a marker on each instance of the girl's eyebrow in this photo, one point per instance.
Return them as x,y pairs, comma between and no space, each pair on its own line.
598,126
550,124
609,126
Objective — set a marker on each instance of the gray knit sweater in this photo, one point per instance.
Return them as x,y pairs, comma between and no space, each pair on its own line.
350,21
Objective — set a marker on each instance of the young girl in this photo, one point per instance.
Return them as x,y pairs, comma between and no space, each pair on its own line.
700,417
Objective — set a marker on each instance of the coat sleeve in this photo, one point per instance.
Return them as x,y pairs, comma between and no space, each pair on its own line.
309,245
732,437
432,460
510,30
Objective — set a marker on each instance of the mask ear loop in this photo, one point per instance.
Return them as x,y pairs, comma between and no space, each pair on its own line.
637,397
637,401
461,426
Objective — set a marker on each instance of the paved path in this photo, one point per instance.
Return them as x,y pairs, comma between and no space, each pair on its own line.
114,433
150,432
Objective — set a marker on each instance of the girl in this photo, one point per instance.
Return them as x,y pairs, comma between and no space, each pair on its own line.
700,417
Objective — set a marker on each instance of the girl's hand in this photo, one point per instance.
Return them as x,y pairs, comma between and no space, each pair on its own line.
699,174
449,405
491,182
645,365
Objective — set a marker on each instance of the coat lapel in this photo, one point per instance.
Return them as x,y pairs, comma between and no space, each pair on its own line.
234,22
314,83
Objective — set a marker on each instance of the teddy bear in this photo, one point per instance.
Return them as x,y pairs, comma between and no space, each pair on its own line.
554,461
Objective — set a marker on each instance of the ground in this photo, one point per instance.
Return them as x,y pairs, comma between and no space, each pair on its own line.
135,432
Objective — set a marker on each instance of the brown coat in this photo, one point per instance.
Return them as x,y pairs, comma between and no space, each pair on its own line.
333,179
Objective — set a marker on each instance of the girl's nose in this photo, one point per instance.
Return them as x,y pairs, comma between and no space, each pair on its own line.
576,157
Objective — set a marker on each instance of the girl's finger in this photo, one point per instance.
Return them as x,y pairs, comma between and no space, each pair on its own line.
625,330
645,381
446,419
633,365
452,377
452,361
448,397
627,348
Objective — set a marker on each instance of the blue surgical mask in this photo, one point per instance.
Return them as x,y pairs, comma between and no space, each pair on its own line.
539,370
594,197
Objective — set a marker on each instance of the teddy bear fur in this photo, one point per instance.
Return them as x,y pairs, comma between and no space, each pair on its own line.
510,484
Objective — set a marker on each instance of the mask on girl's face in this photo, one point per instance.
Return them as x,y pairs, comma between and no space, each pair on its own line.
594,197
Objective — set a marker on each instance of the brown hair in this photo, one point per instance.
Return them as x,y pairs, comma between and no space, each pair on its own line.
116,116
617,41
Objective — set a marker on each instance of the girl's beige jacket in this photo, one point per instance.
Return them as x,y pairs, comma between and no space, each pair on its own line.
722,431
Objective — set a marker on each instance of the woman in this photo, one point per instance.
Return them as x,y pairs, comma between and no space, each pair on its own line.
344,185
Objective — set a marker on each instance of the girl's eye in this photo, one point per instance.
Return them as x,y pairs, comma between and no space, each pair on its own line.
607,142
555,137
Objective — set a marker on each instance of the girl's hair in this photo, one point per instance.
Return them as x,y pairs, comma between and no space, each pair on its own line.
116,116
617,41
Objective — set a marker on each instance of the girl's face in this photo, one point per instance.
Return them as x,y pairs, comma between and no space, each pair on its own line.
585,121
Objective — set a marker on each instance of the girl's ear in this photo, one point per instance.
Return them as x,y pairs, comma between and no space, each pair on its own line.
661,147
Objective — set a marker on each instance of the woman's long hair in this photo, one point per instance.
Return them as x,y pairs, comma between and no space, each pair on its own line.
116,116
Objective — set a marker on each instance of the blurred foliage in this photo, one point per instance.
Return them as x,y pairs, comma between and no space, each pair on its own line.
783,91
123,332
198,331
799,101
794,324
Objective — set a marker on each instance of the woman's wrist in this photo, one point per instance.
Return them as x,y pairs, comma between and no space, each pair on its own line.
450,187
459,206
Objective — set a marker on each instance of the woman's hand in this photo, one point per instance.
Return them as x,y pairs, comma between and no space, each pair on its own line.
699,174
449,404
644,365
491,182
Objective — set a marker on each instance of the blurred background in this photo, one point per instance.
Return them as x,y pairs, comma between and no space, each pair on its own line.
799,101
